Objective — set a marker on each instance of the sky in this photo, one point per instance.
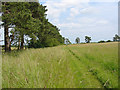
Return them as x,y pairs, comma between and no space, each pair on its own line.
80,18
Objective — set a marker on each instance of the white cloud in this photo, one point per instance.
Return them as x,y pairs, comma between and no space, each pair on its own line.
84,23
105,0
69,3
102,22
53,11
70,25
74,12
89,10
87,20
55,8
83,18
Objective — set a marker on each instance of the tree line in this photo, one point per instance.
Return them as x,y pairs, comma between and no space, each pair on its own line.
28,19
88,39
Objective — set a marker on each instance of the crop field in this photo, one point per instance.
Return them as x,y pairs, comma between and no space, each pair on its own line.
72,66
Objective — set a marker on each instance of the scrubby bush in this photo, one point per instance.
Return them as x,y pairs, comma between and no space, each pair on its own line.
109,41
102,41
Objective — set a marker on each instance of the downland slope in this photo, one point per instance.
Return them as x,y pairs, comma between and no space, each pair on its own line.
72,66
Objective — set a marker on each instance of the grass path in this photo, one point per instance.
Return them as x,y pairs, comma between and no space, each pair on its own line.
105,71
83,77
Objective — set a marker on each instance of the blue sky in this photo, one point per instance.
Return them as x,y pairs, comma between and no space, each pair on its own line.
78,18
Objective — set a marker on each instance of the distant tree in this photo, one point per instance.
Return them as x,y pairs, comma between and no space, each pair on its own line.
67,41
87,39
77,40
102,41
116,38
108,41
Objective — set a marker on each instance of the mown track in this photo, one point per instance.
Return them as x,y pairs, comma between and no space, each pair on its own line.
103,84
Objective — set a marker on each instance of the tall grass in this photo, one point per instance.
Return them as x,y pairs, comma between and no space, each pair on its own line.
37,68
74,66
0,67
101,60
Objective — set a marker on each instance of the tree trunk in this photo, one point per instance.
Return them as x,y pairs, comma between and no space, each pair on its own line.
10,46
22,42
11,40
18,43
7,43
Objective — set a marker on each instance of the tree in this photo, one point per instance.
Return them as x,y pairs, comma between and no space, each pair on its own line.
67,41
6,19
108,41
29,19
77,40
87,39
13,15
25,16
23,21
102,41
49,36
116,38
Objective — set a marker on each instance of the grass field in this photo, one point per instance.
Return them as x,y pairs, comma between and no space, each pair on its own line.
73,66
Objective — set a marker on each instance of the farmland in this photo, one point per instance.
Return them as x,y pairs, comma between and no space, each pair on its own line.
72,66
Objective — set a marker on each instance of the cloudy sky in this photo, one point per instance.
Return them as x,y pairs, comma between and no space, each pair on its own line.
78,18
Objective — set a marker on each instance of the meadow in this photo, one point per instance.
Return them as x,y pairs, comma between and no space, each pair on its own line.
67,66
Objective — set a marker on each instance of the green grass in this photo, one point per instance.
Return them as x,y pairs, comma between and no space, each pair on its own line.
0,68
73,66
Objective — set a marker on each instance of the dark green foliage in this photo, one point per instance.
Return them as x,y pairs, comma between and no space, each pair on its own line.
67,41
77,40
48,37
47,42
28,19
87,39
116,38
101,41
108,41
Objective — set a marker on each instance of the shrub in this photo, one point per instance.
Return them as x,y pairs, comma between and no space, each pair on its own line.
101,41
